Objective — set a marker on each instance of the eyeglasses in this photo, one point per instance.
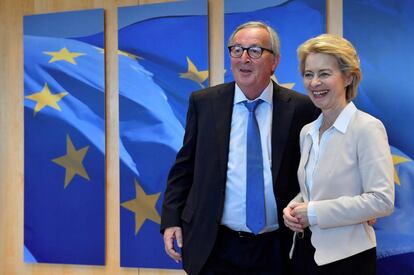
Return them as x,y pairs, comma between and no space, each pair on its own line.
254,52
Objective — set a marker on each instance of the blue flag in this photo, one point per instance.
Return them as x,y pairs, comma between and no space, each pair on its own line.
162,59
64,135
294,21
395,236
382,32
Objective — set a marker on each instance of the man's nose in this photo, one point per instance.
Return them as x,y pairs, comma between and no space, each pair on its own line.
245,56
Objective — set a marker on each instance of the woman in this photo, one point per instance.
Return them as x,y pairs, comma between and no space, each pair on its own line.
345,172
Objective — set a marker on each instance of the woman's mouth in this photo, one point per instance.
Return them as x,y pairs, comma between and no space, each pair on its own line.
319,94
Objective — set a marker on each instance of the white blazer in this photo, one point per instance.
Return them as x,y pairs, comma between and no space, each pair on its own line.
353,183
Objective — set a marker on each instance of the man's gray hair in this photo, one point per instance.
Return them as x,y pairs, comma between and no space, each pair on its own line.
274,38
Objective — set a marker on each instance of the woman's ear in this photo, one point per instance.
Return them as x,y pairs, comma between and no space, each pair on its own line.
348,79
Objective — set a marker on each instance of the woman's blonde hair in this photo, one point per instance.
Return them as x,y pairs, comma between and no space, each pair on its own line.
344,53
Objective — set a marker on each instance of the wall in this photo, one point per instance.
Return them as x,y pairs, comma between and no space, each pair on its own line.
11,124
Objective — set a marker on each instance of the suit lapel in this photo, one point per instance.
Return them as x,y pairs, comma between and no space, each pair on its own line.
283,112
222,106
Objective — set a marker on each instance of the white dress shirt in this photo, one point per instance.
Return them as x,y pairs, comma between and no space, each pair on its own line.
319,147
234,214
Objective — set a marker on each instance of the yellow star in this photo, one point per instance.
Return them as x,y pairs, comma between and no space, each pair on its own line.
64,55
143,206
194,74
72,161
289,85
46,98
397,160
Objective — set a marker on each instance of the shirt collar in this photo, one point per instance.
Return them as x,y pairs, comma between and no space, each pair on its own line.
341,123
266,95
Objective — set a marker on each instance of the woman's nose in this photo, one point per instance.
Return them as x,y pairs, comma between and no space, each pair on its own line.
316,81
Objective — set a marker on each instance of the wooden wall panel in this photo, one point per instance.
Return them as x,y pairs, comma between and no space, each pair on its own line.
334,17
11,137
11,126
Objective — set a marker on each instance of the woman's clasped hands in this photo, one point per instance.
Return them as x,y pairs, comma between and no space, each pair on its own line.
295,216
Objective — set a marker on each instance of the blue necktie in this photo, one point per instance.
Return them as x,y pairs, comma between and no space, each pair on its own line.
255,204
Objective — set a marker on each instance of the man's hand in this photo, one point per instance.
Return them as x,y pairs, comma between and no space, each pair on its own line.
170,234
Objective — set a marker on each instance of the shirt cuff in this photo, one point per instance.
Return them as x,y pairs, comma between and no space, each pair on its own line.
313,220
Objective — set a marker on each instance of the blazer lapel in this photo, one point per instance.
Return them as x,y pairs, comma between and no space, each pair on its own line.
283,112
222,106
307,145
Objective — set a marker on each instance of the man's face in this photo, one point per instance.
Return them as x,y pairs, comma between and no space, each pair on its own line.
253,75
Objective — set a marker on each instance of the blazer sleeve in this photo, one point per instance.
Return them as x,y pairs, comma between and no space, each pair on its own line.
180,177
375,168
297,198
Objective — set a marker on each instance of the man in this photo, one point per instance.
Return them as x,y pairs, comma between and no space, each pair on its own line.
205,209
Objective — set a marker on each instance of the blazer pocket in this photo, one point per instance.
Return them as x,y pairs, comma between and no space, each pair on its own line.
187,214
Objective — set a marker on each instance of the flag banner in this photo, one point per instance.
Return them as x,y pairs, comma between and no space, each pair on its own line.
294,21
64,140
163,57
382,32
395,235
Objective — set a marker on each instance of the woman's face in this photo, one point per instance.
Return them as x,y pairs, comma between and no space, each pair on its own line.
325,82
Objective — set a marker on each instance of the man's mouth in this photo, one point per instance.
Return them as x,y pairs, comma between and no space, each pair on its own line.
245,70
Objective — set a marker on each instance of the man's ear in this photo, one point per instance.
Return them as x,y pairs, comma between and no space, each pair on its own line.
275,63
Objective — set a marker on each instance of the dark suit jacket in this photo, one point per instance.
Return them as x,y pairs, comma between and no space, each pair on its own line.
194,197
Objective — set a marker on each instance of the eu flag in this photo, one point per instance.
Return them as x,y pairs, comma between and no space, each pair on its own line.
64,135
395,234
163,58
162,54
382,32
